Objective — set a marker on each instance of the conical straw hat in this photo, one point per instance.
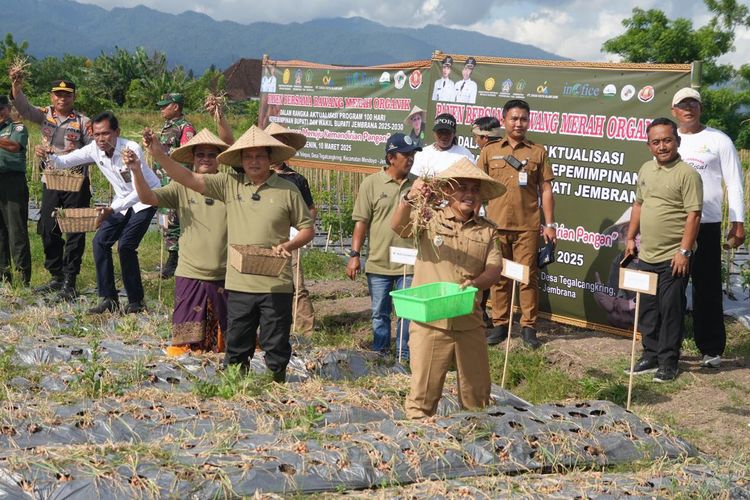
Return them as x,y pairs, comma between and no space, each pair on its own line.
489,188
256,138
184,154
296,140
414,111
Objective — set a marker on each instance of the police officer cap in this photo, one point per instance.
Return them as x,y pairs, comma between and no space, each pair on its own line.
64,85
168,99
4,101
447,61
470,62
444,121
401,143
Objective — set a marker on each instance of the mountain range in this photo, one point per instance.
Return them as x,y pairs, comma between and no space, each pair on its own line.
196,41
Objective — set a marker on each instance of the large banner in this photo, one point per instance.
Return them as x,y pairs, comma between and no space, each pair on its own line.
347,114
591,118
592,121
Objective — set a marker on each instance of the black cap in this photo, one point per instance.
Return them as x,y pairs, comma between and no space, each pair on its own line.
401,143
4,101
64,85
447,61
470,62
444,121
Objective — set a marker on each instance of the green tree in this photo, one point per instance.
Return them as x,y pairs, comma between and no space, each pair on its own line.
651,37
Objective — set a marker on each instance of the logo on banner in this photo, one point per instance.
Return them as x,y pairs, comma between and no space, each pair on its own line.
610,90
646,94
521,85
297,77
415,79
399,79
543,88
627,92
581,90
489,84
308,76
385,79
507,84
286,76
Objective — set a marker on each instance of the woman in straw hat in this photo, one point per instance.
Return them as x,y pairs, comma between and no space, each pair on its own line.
454,245
199,320
261,208
416,120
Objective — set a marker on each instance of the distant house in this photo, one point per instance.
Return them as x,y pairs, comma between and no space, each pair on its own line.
242,79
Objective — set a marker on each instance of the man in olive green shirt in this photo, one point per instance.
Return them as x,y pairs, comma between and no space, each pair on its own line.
667,211
378,197
14,197
261,208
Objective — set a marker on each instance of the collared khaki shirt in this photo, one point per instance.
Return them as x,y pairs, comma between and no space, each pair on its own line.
203,232
264,222
378,198
519,209
453,251
666,194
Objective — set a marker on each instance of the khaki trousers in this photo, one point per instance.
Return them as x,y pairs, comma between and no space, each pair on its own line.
305,314
521,247
433,352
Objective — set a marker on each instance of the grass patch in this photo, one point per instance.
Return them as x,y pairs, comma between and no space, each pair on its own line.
530,377
319,264
233,381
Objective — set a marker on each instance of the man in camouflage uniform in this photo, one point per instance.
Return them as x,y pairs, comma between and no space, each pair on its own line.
176,132
63,130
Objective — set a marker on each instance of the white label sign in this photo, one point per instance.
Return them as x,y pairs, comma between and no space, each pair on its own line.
400,255
515,271
638,281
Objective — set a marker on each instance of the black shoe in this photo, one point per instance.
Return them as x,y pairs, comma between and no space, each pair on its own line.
106,305
68,291
280,377
643,366
53,285
496,334
665,374
170,266
528,335
135,307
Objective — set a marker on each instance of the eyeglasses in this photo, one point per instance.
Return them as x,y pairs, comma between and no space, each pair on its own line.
687,104
210,156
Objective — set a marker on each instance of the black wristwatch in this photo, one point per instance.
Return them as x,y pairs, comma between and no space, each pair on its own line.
353,253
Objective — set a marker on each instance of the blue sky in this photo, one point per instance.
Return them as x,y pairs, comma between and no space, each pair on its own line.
570,28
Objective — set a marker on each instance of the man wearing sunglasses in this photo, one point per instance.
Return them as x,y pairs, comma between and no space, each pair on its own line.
712,153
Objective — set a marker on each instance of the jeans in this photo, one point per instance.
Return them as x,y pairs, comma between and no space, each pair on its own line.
379,285
128,231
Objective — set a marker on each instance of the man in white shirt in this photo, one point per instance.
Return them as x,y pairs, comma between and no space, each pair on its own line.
466,89
444,90
444,152
125,220
713,155
268,82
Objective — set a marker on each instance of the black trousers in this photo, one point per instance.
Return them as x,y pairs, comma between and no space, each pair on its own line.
708,306
661,316
273,313
14,229
62,257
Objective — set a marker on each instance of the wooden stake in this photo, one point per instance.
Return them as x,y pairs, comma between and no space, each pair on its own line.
296,290
510,327
401,324
632,349
161,263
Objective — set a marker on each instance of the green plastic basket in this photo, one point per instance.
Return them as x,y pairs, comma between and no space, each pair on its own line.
433,301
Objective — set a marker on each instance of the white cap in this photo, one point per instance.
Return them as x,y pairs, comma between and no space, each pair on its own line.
686,93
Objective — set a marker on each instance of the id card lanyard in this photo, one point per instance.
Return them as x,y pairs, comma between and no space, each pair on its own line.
523,176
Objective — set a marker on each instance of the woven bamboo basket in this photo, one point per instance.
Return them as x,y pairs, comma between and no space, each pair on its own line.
250,259
76,220
63,180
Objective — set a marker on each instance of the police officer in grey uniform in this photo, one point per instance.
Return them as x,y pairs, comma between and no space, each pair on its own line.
63,130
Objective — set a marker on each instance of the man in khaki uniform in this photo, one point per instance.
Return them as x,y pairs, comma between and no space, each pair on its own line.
261,208
377,200
667,212
523,167
457,246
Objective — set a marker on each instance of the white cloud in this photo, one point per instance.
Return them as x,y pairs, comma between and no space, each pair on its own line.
570,28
